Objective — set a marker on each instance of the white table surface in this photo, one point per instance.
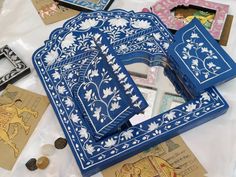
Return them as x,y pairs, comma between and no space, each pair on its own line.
214,143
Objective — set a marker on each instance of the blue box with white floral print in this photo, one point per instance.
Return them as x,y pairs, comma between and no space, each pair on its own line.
106,94
198,59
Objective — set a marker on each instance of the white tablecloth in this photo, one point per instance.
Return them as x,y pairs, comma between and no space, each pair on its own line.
214,143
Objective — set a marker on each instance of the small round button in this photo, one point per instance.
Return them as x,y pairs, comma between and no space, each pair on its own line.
60,143
42,162
31,164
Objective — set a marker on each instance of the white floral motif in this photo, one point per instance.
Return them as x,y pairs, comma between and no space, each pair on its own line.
118,22
107,92
211,65
127,86
69,102
142,24
61,89
206,96
88,94
115,106
166,45
89,148
56,75
194,35
83,133
67,66
97,113
94,73
134,98
68,41
115,67
128,134
170,116
74,118
88,23
110,142
51,57
153,126
191,107
121,76
157,36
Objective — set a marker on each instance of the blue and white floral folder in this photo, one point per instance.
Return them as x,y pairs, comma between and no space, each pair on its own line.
105,91
198,59
91,5
136,37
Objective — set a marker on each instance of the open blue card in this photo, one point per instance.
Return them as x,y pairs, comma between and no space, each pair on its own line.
105,91
136,37
198,59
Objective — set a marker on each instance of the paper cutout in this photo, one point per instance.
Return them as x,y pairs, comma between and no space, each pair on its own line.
20,111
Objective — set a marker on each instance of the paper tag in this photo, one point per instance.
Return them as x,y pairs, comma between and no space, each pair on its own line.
51,12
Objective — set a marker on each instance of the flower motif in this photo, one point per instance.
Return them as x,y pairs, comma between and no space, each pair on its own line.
115,106
61,89
103,48
97,36
134,98
195,62
107,92
97,113
115,67
94,73
51,57
127,86
157,36
170,116
141,24
110,142
118,22
189,46
68,41
194,35
121,76
56,75
166,45
204,49
70,75
153,126
83,133
74,118
206,96
211,65
123,47
67,66
88,23
110,57
141,38
128,134
190,107
69,102
88,94
89,148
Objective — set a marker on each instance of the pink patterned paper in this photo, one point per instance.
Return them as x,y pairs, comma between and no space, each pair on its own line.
150,81
163,9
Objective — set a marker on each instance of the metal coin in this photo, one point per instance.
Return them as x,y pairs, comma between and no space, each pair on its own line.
60,143
47,150
42,162
31,164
